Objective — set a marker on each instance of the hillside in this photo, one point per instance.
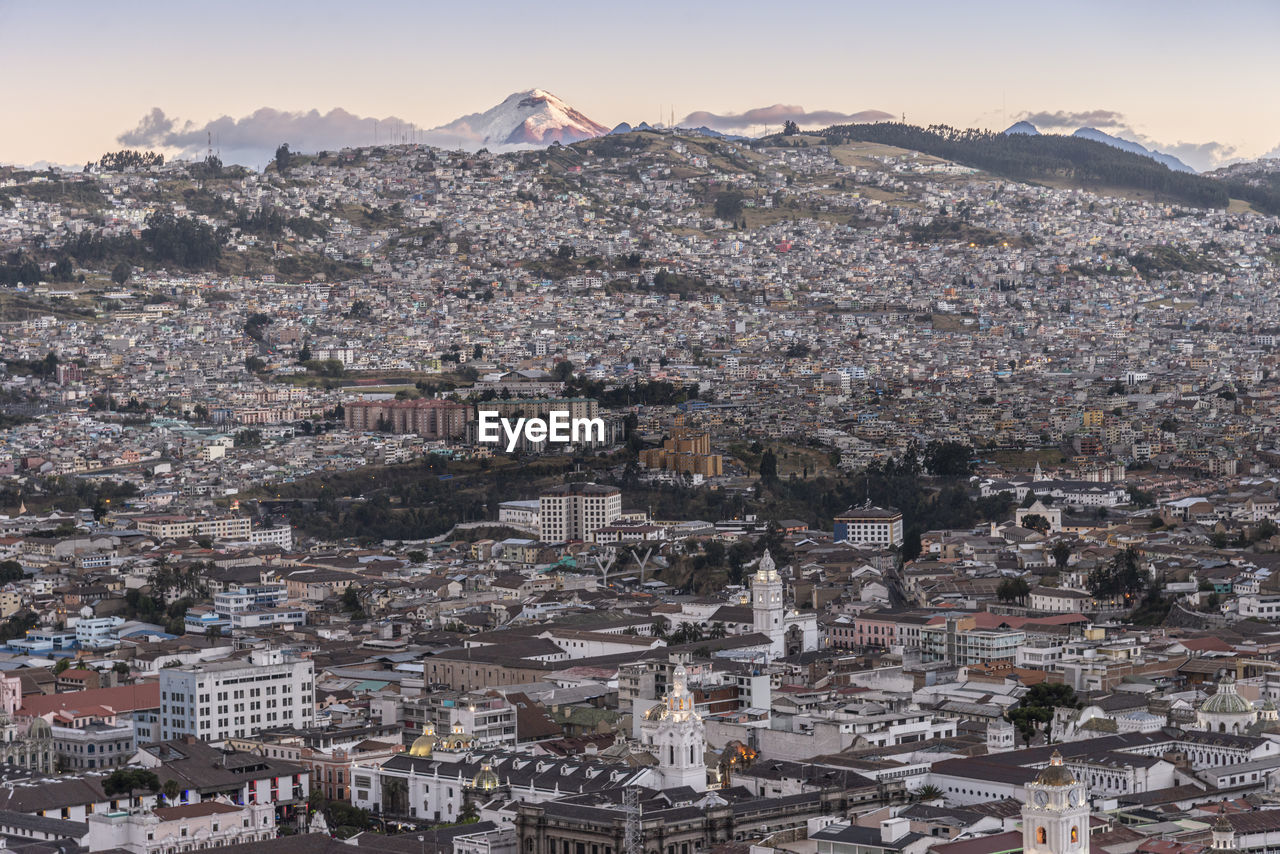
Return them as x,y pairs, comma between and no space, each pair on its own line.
1026,157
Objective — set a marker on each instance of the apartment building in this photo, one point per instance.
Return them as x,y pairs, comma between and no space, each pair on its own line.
431,419
686,451
879,525
222,699
575,511
488,718
214,527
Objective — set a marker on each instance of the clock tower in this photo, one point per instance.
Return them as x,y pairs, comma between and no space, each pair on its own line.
1055,818
767,610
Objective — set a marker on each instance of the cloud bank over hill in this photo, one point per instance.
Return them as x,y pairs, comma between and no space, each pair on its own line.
1201,156
778,114
252,139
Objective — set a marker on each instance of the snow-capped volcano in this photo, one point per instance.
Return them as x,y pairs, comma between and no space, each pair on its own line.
535,117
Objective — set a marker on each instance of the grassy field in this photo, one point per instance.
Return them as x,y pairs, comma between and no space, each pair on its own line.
863,154
22,307
792,459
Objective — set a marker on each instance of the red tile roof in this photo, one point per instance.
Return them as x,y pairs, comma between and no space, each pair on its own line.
126,698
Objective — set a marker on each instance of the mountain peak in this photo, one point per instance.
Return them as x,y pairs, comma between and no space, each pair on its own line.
1023,127
531,117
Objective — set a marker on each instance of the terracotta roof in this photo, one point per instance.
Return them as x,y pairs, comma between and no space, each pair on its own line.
125,698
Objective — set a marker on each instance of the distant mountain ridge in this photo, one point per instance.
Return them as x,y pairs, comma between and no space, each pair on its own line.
1022,156
1128,145
1025,128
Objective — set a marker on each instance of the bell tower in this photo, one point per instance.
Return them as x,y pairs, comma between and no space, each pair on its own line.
1055,818
766,604
677,737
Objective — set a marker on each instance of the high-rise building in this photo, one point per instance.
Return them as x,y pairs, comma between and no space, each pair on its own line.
574,511
215,700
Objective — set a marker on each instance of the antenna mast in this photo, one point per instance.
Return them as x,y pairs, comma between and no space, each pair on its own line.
632,833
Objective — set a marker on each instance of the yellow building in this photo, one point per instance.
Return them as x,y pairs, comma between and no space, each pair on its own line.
685,451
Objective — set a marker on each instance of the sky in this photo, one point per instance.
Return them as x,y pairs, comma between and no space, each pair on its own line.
1195,79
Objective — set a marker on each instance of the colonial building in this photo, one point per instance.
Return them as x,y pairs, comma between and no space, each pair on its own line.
789,631
674,733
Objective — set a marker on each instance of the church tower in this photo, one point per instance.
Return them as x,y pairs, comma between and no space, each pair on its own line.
766,604
1055,818
1000,736
1224,834
675,735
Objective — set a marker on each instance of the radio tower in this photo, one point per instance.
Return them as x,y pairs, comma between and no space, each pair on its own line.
632,835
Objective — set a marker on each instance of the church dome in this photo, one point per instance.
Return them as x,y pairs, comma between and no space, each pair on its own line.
1055,773
1227,701
39,729
486,780
457,739
425,743
766,570
655,713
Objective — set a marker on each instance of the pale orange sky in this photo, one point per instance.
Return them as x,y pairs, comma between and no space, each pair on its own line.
78,74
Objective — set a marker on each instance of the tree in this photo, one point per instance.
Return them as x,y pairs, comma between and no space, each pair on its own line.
1264,530
715,552
121,272
1036,522
790,128
284,158
171,790
1122,577
1013,590
253,364
1061,554
1037,705
948,459
768,465
928,792
128,780
10,570
727,206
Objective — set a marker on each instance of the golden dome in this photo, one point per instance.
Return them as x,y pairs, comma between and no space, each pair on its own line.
425,743
486,780
457,739
1055,773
